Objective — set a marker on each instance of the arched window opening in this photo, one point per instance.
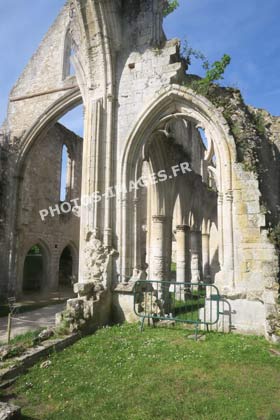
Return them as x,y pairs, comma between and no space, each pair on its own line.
66,174
71,66
203,137
33,271
68,68
214,161
66,268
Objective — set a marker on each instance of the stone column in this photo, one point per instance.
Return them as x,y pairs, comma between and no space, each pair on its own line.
220,228
206,257
182,253
196,257
89,226
124,246
168,242
228,237
159,258
108,232
137,234
158,248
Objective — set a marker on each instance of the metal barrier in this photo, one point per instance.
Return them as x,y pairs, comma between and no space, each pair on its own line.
174,301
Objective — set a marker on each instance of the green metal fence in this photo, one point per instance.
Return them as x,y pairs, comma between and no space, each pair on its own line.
178,302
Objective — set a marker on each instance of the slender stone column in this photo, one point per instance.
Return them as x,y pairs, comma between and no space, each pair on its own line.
97,165
168,242
228,237
159,258
90,180
124,249
196,257
206,257
158,248
108,172
220,228
137,234
182,253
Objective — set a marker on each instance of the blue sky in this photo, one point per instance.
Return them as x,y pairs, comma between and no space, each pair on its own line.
247,30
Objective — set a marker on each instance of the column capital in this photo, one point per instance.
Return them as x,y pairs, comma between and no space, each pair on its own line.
205,235
182,228
220,198
195,230
159,218
229,195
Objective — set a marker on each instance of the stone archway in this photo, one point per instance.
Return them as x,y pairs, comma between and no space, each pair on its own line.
177,103
34,276
33,136
66,268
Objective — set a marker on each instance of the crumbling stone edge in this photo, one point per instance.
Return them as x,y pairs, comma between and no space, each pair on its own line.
33,355
9,411
28,359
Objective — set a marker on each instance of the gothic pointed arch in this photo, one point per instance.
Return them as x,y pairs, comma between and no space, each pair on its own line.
177,103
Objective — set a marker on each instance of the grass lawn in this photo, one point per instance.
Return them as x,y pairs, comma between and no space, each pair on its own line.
24,339
122,374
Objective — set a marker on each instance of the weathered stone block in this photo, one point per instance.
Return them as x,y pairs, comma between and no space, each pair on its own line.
84,289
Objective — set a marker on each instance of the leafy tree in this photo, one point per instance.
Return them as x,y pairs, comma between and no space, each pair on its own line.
214,73
189,53
217,69
172,5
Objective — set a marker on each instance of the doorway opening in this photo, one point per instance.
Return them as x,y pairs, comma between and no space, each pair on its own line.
33,272
66,268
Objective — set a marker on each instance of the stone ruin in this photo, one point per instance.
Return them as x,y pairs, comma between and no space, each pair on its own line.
213,163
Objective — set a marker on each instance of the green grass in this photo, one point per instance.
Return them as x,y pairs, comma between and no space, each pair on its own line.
25,340
19,345
173,267
188,309
122,374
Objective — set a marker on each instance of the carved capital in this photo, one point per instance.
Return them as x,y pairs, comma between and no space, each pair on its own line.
159,219
220,198
182,228
229,196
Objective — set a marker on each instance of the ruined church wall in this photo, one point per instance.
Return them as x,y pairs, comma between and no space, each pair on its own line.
140,75
255,258
43,73
143,66
4,182
40,189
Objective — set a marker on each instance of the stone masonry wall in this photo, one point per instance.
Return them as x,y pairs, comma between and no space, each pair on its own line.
40,189
4,182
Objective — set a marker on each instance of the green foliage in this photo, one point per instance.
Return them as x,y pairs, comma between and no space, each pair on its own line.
173,267
120,373
259,123
214,73
172,5
62,329
217,69
35,250
189,53
21,343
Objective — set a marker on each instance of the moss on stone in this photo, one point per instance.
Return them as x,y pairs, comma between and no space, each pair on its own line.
246,128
